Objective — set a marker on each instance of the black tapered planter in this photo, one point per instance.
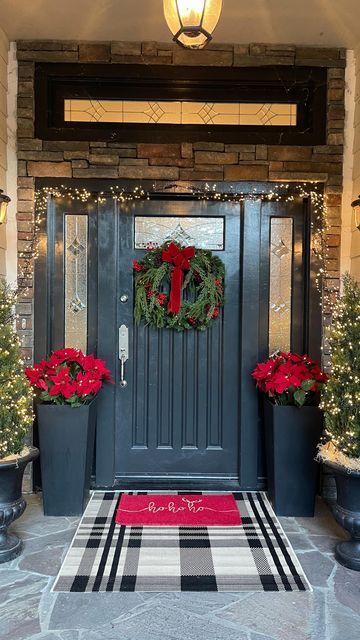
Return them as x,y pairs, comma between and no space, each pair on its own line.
12,503
292,435
347,514
66,441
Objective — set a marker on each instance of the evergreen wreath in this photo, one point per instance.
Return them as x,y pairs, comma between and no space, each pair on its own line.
171,272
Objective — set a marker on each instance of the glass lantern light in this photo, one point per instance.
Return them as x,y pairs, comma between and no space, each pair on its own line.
4,201
192,21
356,206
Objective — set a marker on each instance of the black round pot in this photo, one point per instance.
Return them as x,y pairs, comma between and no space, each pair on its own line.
347,514
12,503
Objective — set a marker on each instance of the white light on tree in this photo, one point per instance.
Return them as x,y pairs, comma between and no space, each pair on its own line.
192,21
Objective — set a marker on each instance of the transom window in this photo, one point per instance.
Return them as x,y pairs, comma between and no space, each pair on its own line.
180,112
144,103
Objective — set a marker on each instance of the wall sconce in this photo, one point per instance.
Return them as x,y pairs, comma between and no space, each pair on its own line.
356,206
192,21
4,201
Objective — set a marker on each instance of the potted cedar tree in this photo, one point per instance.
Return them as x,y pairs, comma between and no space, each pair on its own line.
340,449
68,383
16,418
293,426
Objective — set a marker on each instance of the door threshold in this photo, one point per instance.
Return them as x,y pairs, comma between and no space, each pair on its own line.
175,484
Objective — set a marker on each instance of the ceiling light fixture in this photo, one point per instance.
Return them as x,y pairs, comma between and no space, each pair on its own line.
192,21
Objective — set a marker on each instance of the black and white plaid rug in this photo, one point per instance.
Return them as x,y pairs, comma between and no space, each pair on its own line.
255,556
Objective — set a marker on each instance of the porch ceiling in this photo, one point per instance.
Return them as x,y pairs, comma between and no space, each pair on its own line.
317,22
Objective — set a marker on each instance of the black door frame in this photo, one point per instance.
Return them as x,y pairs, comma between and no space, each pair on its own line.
249,338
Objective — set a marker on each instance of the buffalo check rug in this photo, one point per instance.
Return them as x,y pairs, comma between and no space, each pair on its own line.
254,556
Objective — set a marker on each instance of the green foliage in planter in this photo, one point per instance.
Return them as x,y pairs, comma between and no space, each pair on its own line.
341,396
15,393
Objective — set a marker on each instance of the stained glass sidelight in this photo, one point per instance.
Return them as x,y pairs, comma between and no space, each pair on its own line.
180,112
281,256
202,232
76,245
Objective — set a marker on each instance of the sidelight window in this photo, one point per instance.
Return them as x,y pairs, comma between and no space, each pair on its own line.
76,281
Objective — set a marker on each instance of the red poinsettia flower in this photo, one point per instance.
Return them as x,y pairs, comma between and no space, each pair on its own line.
87,384
97,367
63,384
65,355
289,378
35,376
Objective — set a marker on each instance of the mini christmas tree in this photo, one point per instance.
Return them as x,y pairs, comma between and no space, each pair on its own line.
15,392
341,396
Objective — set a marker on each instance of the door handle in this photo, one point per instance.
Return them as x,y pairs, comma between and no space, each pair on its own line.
123,352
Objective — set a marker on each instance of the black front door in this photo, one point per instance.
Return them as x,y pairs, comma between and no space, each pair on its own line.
189,411
179,413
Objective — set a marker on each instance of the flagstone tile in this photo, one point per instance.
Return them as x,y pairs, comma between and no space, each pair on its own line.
161,623
342,624
289,525
318,615
258,636
326,544
48,561
300,541
287,615
317,567
201,604
347,589
9,576
91,610
19,611
39,543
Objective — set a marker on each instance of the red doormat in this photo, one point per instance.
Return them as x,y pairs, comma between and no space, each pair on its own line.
178,510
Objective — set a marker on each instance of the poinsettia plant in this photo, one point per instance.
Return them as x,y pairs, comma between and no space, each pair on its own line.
68,377
290,379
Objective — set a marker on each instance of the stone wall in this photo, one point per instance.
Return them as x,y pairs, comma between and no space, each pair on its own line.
187,161
355,235
4,46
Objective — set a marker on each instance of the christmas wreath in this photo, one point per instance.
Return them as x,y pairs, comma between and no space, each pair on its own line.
178,287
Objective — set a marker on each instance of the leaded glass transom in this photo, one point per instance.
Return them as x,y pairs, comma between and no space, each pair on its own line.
202,232
180,112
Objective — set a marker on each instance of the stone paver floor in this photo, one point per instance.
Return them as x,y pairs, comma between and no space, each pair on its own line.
29,610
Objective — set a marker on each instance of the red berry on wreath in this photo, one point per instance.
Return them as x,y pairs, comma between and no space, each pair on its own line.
215,313
137,266
161,297
192,321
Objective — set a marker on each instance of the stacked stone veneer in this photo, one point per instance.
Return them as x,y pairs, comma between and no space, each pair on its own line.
187,161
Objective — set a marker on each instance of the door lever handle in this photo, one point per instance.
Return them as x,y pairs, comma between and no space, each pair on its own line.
123,352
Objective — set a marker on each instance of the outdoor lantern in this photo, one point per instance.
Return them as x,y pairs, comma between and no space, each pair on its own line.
4,201
192,21
356,206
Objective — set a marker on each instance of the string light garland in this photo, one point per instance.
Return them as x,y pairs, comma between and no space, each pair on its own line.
279,192
285,192
16,397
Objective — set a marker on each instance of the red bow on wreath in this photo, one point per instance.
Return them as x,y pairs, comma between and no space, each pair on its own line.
180,259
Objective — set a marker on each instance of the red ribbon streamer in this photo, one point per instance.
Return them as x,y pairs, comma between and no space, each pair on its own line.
180,259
